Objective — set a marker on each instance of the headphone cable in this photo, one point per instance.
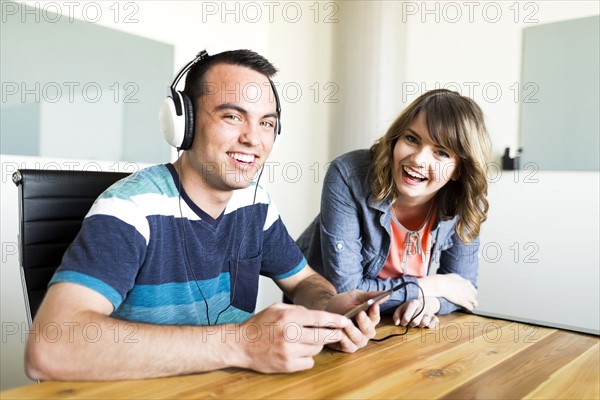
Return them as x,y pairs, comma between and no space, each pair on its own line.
189,264
237,262
406,328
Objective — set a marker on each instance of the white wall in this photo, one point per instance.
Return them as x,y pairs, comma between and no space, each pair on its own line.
539,259
365,50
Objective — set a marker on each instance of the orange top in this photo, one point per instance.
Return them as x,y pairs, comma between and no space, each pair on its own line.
416,262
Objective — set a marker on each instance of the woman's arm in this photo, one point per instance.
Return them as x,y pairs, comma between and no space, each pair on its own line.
456,281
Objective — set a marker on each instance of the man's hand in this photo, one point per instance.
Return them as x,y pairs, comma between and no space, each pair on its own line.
355,337
284,338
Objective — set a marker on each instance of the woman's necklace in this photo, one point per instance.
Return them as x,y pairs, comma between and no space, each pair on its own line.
413,239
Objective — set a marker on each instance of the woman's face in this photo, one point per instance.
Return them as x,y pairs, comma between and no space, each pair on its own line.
421,167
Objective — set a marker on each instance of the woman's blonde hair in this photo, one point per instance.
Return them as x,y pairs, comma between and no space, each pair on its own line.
456,123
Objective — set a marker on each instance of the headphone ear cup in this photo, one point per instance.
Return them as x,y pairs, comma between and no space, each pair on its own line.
277,109
277,128
178,130
188,116
171,125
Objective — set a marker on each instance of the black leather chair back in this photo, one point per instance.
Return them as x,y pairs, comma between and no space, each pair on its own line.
52,205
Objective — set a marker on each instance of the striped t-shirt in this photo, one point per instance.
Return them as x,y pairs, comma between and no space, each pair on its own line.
158,258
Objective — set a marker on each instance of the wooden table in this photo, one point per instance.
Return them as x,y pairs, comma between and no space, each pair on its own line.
466,357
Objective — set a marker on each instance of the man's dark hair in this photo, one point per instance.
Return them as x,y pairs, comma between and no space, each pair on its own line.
195,86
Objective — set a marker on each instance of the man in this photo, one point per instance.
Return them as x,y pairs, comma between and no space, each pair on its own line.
162,279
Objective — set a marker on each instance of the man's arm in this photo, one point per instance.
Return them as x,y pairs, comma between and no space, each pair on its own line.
75,339
308,288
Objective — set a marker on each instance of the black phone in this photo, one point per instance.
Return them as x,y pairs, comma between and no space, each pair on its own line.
365,306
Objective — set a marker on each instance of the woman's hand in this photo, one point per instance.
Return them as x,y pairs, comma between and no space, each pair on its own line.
409,310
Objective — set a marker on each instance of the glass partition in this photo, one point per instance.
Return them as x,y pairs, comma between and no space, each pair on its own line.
74,89
559,126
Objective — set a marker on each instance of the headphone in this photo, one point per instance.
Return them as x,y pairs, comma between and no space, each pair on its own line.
176,113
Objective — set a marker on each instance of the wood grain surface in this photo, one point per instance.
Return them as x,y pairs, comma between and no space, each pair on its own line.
466,357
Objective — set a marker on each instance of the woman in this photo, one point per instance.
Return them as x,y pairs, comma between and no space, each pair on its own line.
417,197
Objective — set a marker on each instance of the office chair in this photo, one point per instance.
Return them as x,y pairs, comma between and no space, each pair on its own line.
52,205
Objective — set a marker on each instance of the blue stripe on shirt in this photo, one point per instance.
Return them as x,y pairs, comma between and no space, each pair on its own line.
294,271
88,281
177,293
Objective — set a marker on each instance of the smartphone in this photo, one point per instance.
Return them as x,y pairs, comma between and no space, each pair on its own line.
365,306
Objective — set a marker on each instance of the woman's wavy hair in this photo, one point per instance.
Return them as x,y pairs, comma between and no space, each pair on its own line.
456,123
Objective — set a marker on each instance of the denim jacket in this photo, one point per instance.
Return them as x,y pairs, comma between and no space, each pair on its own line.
349,241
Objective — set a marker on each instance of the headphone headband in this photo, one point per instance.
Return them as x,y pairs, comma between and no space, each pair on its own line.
200,56
176,114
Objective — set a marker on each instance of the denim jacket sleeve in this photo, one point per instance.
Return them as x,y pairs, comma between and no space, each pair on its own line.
459,258
340,232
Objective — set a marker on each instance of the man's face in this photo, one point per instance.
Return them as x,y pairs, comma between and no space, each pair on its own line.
235,127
